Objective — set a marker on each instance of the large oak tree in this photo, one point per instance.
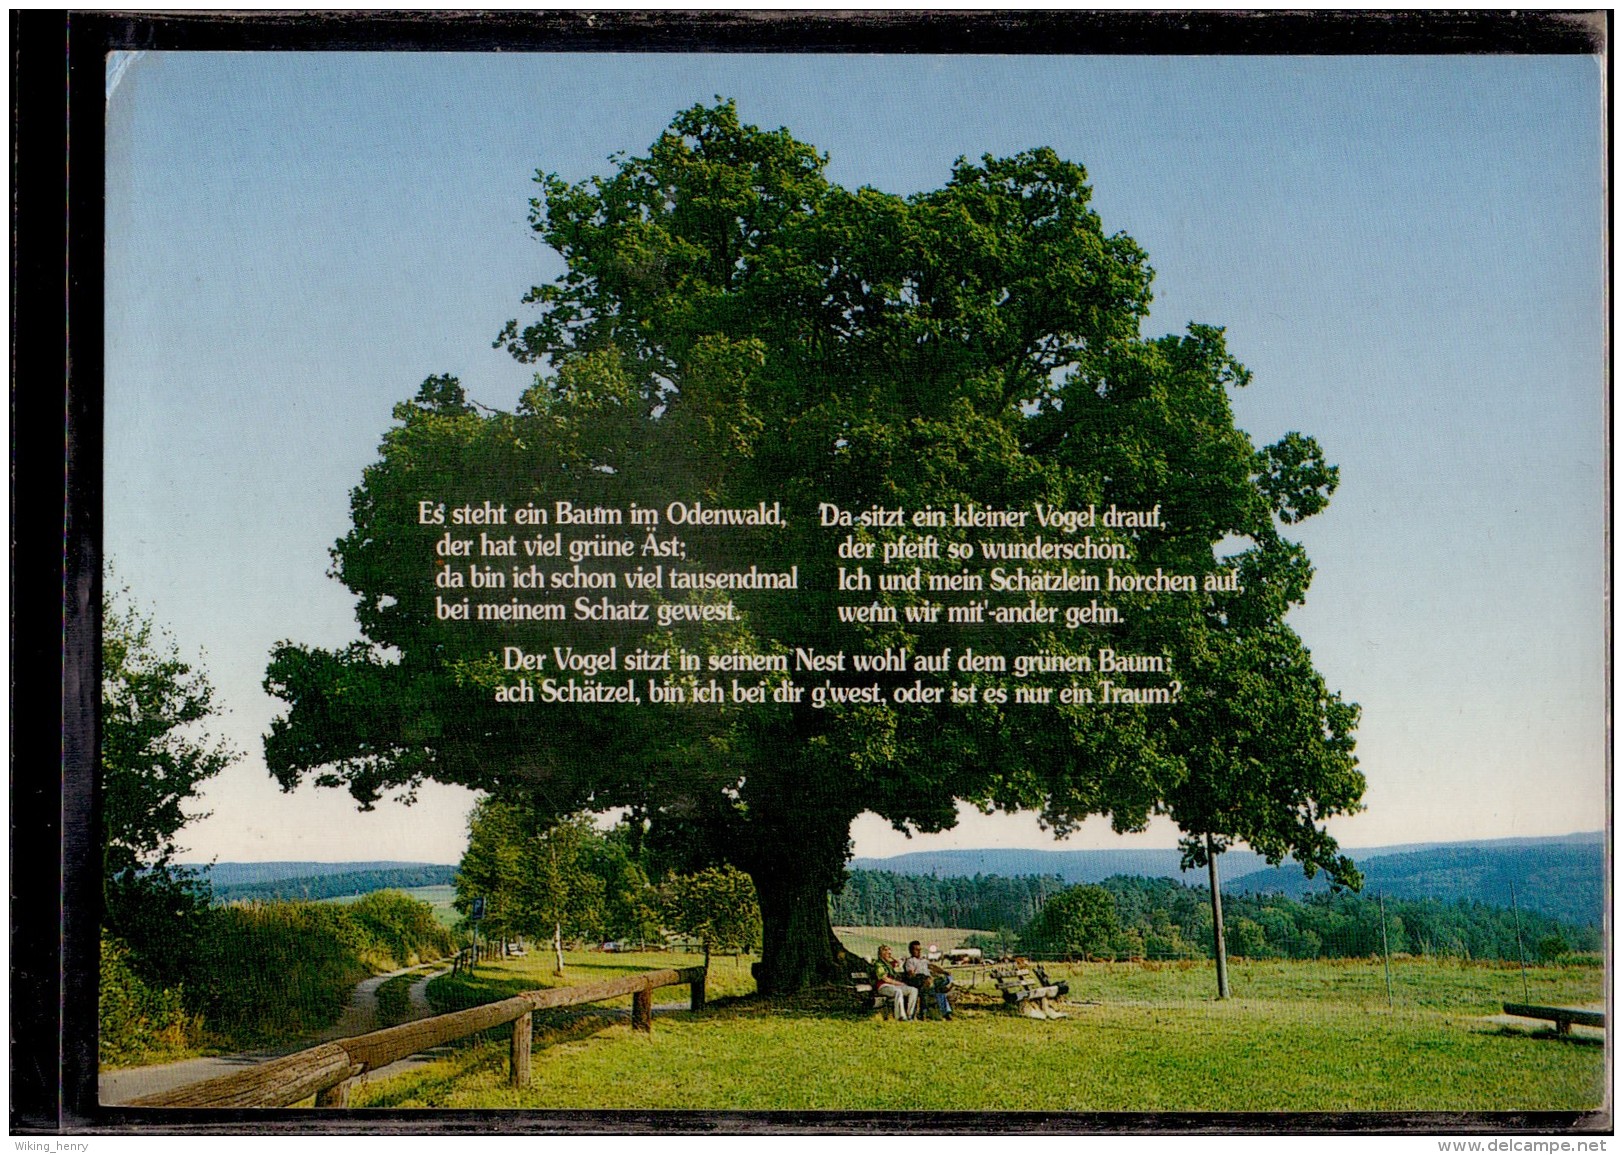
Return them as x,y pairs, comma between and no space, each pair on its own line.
733,328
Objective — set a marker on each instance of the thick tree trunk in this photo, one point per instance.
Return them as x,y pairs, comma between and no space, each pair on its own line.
1218,949
798,947
797,860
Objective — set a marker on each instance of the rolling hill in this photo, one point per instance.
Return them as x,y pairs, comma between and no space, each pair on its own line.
1563,879
1562,876
1074,866
309,881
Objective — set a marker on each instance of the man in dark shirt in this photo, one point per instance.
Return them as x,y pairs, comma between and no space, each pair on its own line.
927,977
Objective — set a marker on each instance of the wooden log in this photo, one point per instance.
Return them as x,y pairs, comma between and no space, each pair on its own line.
287,1080
277,1083
380,1048
642,1010
519,1060
1562,1017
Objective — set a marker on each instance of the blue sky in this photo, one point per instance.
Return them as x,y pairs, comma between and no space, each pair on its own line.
1407,251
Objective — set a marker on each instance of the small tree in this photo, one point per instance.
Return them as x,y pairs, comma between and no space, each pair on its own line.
562,894
492,867
1266,748
154,761
1078,922
716,906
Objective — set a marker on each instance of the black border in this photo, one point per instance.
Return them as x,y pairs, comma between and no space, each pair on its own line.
57,281
56,540
1020,32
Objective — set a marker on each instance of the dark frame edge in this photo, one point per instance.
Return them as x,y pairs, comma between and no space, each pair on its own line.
56,534
55,936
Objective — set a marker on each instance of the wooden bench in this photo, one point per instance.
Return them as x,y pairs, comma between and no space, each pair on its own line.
1022,984
1562,1017
868,997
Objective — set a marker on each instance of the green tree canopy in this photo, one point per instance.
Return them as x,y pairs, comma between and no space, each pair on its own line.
155,759
731,328
1078,922
717,906
536,876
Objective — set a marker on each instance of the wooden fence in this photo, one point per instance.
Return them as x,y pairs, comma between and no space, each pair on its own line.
329,1070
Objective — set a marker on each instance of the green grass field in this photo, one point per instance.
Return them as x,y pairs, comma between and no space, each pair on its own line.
1298,1036
866,940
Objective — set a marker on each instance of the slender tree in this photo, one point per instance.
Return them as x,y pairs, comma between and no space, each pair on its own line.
1267,752
538,878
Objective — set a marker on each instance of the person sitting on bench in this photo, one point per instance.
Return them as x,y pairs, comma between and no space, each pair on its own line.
887,980
927,977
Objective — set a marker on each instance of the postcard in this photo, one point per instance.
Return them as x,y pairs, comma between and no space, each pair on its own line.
769,584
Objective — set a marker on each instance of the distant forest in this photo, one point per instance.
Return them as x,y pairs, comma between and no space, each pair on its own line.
1160,918
311,888
1563,877
983,902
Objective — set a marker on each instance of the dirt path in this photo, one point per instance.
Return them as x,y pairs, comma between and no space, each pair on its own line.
360,1016
417,993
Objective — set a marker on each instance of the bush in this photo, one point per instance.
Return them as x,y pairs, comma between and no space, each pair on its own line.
269,972
1551,947
155,916
1129,945
138,1023
403,930
274,971
1079,922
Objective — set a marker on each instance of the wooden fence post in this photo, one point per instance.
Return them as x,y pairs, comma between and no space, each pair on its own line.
519,1064
697,990
335,1096
642,1010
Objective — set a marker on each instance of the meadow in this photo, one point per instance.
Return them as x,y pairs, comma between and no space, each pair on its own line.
866,940
1297,1036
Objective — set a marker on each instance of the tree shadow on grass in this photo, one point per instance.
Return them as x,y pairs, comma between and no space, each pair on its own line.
461,992
553,1028
827,1002
1551,1034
